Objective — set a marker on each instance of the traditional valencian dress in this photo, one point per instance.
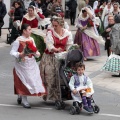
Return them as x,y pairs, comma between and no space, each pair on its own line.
27,79
105,14
87,39
33,22
79,83
49,65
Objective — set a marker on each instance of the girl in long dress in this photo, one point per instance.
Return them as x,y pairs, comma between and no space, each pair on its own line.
85,36
27,79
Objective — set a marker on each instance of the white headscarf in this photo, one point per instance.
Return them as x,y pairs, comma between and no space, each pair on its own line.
106,11
116,3
94,18
95,5
80,15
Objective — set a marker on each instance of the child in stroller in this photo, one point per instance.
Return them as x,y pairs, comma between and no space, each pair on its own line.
66,70
82,88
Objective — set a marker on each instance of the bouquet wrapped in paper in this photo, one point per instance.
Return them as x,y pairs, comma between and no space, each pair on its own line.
90,23
62,55
29,50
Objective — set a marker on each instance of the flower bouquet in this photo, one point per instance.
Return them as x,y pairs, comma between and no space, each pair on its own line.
90,23
101,11
73,47
69,72
62,55
98,12
11,12
29,50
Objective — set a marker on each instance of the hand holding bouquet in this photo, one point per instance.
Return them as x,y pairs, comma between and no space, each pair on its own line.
29,51
90,23
11,12
30,48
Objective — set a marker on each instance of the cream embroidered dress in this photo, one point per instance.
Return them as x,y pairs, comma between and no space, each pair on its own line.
49,65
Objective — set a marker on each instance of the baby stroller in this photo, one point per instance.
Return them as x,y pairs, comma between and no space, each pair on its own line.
13,31
66,70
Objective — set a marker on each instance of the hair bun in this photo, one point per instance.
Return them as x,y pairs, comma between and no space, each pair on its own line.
117,18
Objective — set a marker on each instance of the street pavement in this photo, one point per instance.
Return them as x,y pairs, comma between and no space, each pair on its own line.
106,92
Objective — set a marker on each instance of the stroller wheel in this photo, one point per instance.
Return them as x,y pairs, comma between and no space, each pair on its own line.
96,109
58,105
62,105
78,110
72,110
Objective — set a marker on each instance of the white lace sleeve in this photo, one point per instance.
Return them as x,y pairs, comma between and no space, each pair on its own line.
49,41
14,51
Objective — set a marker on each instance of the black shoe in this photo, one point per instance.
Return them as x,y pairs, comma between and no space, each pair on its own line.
45,97
91,109
116,75
87,109
26,105
19,100
8,42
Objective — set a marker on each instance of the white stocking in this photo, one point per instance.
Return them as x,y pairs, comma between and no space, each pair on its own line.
24,100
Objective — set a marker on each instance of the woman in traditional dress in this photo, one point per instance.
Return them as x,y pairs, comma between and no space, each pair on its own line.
107,10
58,40
86,36
66,26
103,4
27,79
116,9
98,13
32,17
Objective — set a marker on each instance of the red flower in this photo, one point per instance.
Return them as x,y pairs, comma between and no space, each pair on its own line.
31,47
90,23
101,9
11,11
97,11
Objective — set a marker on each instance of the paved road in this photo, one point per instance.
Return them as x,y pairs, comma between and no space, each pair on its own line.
108,101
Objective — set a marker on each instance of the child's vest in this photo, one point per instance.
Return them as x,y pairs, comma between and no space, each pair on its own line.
77,82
